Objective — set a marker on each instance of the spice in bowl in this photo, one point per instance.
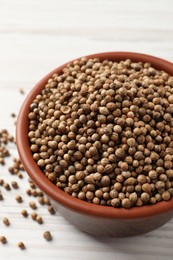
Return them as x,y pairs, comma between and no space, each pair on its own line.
102,132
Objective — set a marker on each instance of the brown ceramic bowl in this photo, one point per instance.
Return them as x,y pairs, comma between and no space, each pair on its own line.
94,219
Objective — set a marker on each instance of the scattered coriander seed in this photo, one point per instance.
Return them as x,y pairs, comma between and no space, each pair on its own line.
33,205
1,182
1,196
14,184
28,191
6,221
39,193
46,201
32,185
13,115
39,219
21,90
20,175
19,199
47,235
6,186
41,200
24,213
34,193
51,210
3,239
21,245
34,215
2,161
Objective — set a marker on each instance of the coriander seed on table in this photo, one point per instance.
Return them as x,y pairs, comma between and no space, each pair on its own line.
102,132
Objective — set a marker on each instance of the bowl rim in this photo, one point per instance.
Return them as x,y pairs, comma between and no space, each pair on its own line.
52,190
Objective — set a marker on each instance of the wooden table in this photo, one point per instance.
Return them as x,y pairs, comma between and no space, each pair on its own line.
37,36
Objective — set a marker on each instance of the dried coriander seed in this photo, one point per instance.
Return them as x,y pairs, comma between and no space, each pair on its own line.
6,221
145,197
21,90
32,185
6,186
34,215
3,239
14,184
126,203
19,199
119,152
28,191
166,195
13,115
20,175
1,182
133,197
46,201
1,196
47,236
115,202
39,219
51,210
2,161
34,193
24,213
41,200
33,205
21,245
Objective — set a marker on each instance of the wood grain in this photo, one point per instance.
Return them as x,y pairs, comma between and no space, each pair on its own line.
37,36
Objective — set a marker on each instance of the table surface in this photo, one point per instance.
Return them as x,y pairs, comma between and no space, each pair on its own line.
37,36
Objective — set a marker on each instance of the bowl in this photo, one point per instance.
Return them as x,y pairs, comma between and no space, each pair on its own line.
94,219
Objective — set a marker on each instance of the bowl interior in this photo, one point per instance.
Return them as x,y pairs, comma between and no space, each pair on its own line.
47,186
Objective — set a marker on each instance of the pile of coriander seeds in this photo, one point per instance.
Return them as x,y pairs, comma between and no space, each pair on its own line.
102,131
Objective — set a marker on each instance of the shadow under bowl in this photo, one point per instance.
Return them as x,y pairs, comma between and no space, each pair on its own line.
94,219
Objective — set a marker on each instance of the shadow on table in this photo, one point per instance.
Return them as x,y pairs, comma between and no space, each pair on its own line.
153,245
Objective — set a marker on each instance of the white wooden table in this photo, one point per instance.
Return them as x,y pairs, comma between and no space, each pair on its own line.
37,36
